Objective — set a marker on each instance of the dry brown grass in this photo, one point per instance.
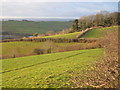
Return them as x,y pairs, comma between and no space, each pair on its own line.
79,47
105,73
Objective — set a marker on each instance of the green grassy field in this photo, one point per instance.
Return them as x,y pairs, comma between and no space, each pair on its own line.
47,71
34,27
70,35
19,48
9,49
96,33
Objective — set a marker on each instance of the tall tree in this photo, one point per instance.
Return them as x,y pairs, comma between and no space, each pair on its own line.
75,25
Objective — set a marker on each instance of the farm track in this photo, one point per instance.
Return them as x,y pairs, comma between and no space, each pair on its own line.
42,63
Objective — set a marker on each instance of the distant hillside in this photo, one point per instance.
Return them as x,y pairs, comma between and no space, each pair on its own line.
29,27
18,29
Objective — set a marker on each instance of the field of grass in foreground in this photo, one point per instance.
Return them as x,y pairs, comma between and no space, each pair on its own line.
70,35
96,33
47,71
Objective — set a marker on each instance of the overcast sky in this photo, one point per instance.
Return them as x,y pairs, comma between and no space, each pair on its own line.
55,9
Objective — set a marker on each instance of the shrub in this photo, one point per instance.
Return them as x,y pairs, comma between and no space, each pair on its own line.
49,47
39,51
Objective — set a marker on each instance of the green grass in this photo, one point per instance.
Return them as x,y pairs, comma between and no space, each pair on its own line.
70,35
9,49
19,48
34,27
96,33
47,71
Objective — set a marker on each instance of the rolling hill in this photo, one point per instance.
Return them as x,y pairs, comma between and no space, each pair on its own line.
48,70
28,27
